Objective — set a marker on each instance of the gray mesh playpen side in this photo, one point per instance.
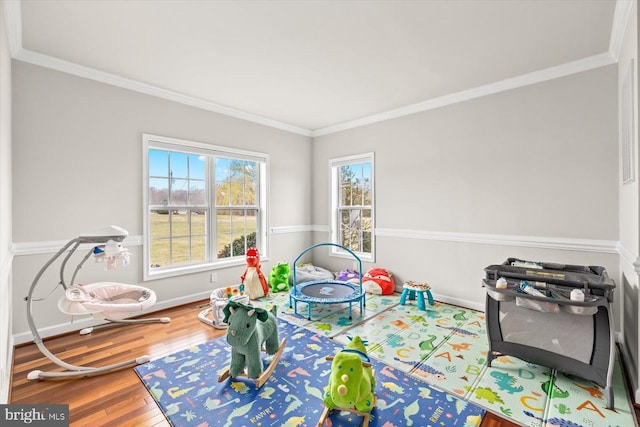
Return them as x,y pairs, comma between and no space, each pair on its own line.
577,340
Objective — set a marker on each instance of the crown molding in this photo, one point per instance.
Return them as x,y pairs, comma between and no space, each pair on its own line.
147,89
619,27
621,18
566,69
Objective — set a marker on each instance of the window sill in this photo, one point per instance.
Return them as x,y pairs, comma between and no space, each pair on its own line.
199,268
363,257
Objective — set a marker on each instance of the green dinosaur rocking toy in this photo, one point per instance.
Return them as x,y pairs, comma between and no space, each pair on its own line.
351,383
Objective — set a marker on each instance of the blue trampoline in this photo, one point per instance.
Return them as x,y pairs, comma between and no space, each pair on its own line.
326,291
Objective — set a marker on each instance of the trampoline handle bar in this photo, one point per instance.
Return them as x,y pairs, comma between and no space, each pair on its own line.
295,262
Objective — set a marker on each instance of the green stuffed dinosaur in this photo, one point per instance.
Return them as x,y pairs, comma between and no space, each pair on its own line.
351,383
279,277
249,327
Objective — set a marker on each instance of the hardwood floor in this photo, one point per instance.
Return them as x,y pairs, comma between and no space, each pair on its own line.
118,398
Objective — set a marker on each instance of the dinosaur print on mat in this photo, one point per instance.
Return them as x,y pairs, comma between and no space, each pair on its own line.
455,361
293,395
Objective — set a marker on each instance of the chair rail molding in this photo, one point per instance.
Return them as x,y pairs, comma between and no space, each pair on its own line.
541,242
562,243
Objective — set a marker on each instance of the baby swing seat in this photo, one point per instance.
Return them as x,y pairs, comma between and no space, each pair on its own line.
108,300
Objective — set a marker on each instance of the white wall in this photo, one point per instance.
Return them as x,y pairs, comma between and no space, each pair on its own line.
456,187
77,163
629,234
6,255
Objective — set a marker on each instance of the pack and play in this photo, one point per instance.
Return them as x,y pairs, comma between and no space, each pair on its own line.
554,315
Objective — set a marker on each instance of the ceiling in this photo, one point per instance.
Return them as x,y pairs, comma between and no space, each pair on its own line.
314,67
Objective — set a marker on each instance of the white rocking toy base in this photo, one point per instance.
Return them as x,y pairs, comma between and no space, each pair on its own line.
266,374
365,415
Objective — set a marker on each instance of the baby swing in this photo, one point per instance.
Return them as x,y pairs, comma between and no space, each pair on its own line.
110,301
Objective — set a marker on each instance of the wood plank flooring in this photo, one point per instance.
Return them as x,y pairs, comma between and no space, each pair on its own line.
118,398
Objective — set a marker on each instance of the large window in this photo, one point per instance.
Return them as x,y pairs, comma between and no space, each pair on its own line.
204,205
352,205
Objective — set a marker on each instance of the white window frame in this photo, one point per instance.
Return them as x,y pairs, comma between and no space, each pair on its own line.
334,173
212,263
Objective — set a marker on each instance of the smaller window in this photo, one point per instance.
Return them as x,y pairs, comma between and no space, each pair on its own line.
352,205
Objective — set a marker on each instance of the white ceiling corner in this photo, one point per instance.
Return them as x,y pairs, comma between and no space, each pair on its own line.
282,69
562,70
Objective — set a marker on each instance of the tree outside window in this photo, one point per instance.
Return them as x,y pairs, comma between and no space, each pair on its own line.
352,204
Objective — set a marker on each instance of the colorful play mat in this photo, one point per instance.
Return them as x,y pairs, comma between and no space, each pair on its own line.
185,386
429,364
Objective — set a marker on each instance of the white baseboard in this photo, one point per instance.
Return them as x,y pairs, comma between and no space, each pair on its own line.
460,302
632,373
63,328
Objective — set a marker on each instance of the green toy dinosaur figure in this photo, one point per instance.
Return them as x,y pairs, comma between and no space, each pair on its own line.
279,277
351,383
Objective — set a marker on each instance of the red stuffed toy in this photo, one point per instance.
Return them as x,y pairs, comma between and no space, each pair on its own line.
378,281
253,279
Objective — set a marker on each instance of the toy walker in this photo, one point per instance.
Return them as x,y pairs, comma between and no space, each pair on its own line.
219,299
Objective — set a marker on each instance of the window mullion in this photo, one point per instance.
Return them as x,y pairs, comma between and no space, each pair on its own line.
189,225
213,217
